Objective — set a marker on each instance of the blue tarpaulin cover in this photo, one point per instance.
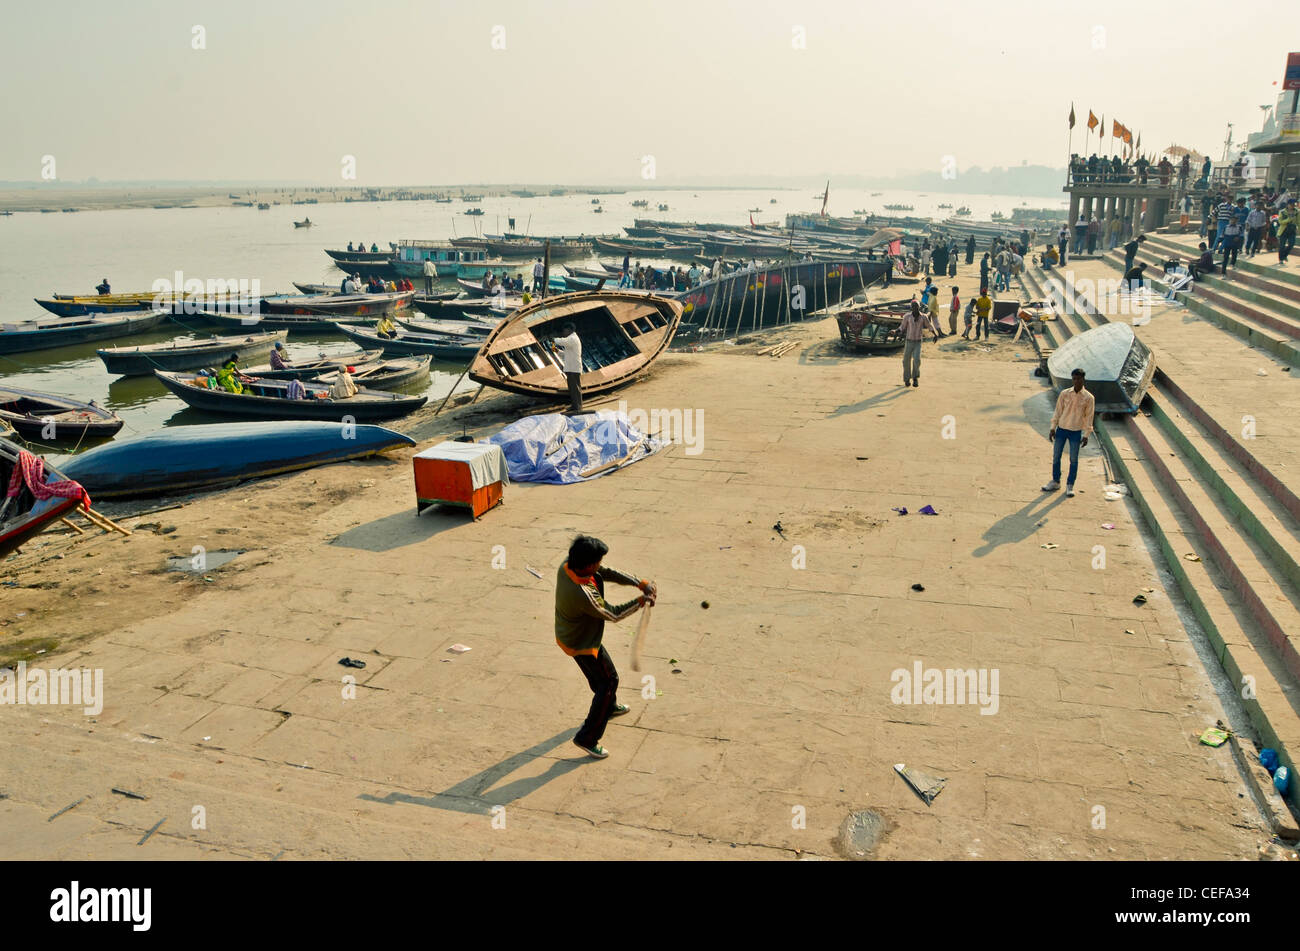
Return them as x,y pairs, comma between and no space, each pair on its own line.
556,448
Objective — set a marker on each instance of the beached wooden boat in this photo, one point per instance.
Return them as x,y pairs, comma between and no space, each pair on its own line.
875,329
268,399
23,516
771,295
1118,367
622,334
450,348
311,369
51,418
188,458
66,331
187,354
572,283
591,273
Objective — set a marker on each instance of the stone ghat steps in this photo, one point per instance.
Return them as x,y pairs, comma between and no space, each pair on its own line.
1261,313
1205,495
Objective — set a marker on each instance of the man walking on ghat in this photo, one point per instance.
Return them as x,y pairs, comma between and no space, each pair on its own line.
913,327
1072,423
580,615
571,360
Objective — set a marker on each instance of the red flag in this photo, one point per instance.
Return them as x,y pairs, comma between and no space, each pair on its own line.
751,222
1071,115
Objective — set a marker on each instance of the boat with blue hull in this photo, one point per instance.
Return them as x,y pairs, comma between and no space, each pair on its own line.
191,458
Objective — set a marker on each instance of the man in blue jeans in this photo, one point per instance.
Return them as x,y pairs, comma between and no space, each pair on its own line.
1072,423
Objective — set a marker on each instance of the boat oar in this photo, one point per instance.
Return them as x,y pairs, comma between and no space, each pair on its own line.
453,390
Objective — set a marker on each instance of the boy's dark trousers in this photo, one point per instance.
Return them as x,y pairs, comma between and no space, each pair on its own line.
603,679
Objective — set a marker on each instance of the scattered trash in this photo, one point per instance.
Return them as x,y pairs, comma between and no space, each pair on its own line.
902,510
206,738
1268,758
1214,737
860,833
1108,525
152,831
862,458
724,548
1114,491
928,510
918,587
127,793
1286,369
1111,496
21,614
66,808
1190,556
532,571
923,784
1140,599
1261,372
672,660
1282,779
1129,630
677,670
349,662
459,649
705,605
1049,546
777,528
1040,523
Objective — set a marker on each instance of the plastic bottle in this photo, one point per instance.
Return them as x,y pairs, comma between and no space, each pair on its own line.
1282,779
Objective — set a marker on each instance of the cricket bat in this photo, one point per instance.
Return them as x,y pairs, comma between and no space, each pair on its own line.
638,642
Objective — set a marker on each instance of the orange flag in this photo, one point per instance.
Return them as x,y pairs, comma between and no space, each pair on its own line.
1092,121
1116,129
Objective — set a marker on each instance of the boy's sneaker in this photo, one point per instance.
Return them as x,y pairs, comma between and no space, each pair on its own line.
1069,491
1051,486
619,710
597,751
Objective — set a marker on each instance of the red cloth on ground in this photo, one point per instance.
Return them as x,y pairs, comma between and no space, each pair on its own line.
31,470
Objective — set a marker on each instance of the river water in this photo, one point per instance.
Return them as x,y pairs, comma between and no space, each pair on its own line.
61,253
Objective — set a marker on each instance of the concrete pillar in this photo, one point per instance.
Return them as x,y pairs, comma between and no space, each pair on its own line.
1087,207
1137,215
1074,209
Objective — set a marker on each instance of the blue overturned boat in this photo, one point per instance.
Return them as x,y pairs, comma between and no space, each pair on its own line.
190,458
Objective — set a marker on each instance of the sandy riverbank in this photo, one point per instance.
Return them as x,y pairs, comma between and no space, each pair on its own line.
224,689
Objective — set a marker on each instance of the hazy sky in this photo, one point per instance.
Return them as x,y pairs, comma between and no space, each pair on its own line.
585,88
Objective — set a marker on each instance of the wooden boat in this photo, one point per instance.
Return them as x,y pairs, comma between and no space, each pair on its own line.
263,206
265,323
366,257
318,288
898,208
314,368
65,331
448,258
641,203
79,305
339,305
450,348
187,354
770,295
435,298
32,414
875,329
592,273
450,327
1118,367
386,374
622,334
532,248
305,223
188,458
267,399
473,211
24,517
463,307
963,211
585,283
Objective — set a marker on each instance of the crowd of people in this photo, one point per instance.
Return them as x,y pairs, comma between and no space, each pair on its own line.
1263,221
352,284
1099,170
